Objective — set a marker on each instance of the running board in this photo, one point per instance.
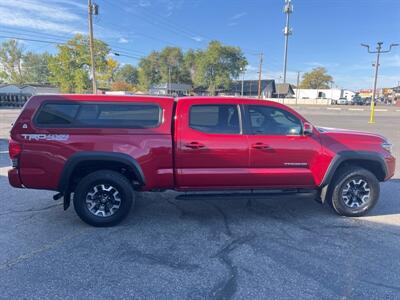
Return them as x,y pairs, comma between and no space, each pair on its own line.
265,194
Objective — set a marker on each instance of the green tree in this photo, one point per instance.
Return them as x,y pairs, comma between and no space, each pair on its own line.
107,73
172,66
128,74
149,70
160,67
317,78
190,59
70,66
217,65
11,60
36,67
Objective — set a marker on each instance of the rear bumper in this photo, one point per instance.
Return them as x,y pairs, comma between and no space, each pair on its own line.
391,166
13,178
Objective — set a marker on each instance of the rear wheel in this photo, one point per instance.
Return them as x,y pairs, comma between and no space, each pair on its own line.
355,191
103,198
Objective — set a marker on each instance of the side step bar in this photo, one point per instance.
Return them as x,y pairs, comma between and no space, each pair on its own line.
253,194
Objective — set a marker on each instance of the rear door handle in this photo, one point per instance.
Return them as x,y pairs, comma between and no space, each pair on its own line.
194,145
261,146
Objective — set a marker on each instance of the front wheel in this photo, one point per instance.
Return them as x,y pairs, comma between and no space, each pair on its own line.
355,192
103,198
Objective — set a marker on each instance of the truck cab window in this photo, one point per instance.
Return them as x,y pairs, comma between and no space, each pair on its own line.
267,120
215,118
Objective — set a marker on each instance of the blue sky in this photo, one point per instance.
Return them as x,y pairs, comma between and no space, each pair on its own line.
325,32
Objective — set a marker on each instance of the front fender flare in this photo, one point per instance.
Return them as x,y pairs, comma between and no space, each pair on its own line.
344,156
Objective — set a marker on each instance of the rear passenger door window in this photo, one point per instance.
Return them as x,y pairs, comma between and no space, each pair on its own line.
222,118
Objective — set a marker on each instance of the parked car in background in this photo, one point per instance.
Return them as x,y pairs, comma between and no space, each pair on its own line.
342,101
357,100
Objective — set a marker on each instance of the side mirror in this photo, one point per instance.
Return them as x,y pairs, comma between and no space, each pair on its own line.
307,128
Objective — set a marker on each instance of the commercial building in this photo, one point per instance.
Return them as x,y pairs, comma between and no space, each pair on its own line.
333,94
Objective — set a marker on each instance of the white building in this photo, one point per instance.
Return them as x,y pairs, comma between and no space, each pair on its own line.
333,94
16,95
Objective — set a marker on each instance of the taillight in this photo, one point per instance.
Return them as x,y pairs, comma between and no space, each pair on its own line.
14,149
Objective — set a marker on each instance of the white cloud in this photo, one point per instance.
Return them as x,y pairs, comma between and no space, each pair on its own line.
197,38
56,17
123,40
238,16
35,7
26,21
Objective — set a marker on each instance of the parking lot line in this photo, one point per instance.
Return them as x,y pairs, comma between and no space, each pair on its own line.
334,108
380,109
358,109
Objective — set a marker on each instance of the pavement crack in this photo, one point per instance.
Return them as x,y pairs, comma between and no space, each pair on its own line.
228,230
387,286
30,210
10,263
226,288
161,260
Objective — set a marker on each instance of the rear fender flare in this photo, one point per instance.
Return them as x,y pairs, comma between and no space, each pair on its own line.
85,156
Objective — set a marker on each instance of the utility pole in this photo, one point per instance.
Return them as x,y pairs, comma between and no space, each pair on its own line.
243,71
378,54
93,9
287,9
169,80
297,86
259,75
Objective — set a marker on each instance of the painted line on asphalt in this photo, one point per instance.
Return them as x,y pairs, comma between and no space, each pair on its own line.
334,108
397,109
357,109
380,109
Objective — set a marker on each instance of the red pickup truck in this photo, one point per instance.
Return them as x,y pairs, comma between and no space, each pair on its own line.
99,150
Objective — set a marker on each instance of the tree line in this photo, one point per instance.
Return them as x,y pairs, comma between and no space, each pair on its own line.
211,68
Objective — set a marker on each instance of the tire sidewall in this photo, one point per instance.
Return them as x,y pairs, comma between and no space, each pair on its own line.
103,177
337,201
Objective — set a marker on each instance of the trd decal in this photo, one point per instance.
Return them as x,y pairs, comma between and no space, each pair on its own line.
45,137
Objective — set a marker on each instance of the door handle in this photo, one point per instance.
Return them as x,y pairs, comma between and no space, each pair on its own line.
194,145
261,146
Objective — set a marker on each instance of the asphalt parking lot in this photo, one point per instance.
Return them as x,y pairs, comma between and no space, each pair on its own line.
171,249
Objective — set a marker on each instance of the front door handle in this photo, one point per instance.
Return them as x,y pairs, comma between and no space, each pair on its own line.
194,145
261,146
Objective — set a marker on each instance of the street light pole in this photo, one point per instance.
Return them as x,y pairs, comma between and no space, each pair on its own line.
287,9
378,54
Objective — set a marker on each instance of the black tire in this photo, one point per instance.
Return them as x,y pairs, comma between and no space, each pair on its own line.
107,178
346,177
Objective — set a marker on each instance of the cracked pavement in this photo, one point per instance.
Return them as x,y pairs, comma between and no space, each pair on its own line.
177,249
